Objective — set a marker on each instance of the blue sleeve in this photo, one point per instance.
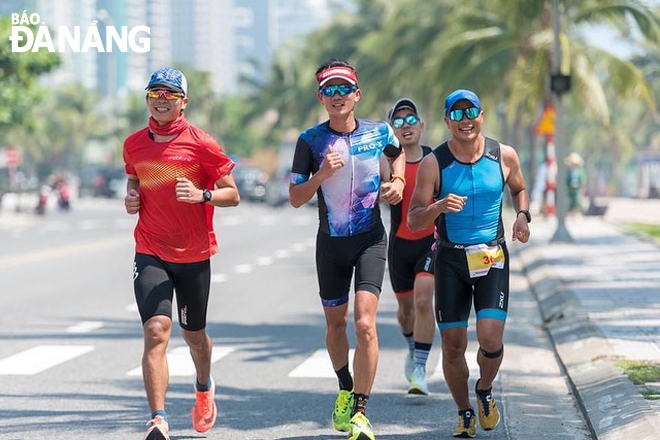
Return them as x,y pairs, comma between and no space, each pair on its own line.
392,148
302,162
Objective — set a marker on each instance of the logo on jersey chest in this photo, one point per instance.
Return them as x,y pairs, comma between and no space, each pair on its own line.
367,147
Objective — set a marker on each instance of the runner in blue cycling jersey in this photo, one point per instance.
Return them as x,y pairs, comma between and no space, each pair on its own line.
467,175
342,155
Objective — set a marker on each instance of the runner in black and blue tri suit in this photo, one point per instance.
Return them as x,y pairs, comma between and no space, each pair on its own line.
342,155
467,175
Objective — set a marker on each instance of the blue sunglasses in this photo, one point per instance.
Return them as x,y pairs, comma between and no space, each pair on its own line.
470,113
342,89
410,120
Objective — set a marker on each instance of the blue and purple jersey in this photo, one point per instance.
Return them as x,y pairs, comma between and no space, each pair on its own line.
348,201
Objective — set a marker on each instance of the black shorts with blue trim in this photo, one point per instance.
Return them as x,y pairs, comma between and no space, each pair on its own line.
455,290
337,257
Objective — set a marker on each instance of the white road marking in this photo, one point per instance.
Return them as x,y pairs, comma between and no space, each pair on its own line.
40,358
297,247
318,365
264,261
267,220
302,220
56,226
218,278
180,363
282,253
243,268
230,220
89,225
124,223
85,327
131,308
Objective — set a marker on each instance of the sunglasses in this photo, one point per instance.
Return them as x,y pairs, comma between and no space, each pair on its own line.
342,89
169,95
410,120
470,113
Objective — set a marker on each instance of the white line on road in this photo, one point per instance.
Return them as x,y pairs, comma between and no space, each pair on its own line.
243,268
180,363
40,358
297,247
124,223
230,220
131,308
301,220
282,253
218,278
267,220
85,327
470,358
319,365
55,226
264,261
89,225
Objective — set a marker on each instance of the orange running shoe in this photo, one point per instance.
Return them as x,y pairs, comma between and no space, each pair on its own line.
204,412
158,429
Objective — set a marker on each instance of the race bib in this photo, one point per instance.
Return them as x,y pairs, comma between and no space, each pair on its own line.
481,258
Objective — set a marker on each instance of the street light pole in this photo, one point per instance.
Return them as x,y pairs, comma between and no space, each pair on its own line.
561,233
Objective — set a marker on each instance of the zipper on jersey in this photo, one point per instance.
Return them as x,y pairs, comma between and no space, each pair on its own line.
350,206
474,192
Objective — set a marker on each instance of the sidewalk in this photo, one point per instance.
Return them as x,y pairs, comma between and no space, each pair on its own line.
600,300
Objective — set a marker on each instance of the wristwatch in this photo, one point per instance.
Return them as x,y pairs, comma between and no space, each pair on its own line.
528,216
206,196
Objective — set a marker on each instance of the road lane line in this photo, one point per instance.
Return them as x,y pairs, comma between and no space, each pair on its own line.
131,308
59,252
319,365
85,327
180,363
470,358
40,358
89,225
297,247
264,261
282,253
243,268
218,278
230,220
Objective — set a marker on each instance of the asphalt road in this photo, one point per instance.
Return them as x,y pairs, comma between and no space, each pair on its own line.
70,340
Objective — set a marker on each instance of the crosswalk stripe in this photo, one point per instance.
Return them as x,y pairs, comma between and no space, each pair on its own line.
40,358
319,365
180,363
218,278
85,327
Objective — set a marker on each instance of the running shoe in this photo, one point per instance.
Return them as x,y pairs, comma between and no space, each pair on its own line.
467,425
360,428
489,416
204,411
341,415
418,382
157,429
409,365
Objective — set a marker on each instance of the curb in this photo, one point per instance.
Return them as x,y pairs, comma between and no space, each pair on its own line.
611,404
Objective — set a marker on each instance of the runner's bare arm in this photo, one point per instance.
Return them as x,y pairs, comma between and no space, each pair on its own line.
519,195
392,191
225,192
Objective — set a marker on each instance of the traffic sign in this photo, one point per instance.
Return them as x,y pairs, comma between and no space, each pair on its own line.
546,125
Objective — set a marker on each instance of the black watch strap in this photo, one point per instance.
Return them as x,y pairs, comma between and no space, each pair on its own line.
528,216
206,196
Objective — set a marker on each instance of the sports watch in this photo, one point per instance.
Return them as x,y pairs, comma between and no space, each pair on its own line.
206,196
528,216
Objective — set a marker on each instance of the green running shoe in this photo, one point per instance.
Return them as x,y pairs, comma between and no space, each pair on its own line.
360,428
341,415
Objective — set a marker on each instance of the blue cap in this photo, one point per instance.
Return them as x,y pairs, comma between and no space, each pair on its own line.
459,94
169,77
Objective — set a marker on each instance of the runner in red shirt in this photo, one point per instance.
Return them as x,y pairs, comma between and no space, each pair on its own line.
176,175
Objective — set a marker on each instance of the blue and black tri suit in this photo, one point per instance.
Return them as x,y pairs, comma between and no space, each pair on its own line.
351,233
480,222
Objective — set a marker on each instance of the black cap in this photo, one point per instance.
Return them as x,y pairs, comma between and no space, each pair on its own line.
402,103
